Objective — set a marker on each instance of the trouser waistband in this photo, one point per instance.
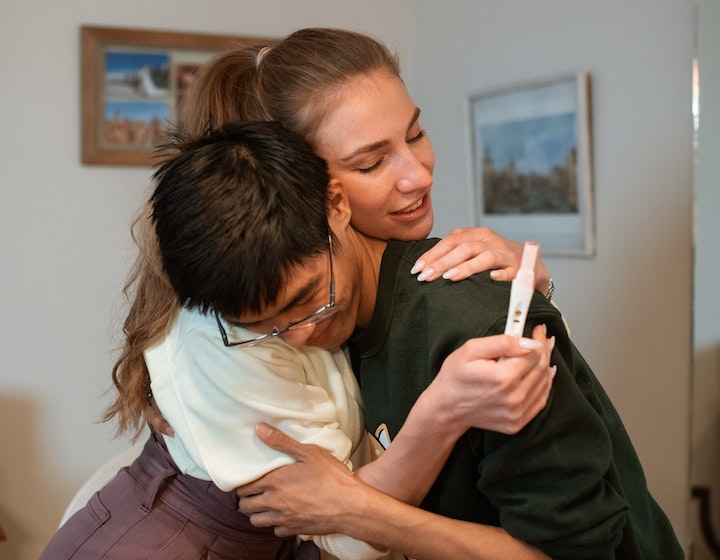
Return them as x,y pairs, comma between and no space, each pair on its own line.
198,500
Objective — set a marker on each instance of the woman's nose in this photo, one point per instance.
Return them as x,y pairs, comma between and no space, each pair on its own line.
417,173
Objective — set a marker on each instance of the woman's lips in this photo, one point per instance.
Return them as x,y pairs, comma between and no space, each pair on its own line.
415,211
413,207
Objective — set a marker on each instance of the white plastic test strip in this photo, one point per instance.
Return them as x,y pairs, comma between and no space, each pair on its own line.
522,290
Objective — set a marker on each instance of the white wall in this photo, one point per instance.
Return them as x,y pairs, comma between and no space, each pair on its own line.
64,236
629,308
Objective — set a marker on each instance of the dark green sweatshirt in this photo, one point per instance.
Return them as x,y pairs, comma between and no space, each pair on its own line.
570,483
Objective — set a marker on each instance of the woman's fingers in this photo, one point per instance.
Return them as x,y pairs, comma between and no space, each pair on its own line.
467,251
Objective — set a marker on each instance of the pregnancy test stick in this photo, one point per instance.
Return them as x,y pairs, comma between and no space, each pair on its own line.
522,290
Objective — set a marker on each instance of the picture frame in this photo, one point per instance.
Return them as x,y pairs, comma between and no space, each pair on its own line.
532,166
134,83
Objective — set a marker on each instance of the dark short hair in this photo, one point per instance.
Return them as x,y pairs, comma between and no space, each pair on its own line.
234,210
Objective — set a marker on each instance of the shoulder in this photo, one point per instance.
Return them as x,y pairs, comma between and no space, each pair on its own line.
193,344
477,298
408,251
479,288
188,327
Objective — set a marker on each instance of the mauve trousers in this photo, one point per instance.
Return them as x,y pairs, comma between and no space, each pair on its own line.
152,511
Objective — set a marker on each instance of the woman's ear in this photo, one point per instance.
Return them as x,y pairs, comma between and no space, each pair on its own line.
339,212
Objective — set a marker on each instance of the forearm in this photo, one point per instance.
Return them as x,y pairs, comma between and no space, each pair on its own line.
421,446
318,495
426,536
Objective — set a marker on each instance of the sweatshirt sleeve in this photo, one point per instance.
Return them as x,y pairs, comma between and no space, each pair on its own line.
555,483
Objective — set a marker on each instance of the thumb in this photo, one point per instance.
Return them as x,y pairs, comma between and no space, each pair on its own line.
279,440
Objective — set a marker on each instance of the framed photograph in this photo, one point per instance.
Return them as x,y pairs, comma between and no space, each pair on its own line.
135,84
532,176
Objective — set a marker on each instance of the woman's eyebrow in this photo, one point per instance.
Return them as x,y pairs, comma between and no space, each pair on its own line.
381,143
369,148
414,119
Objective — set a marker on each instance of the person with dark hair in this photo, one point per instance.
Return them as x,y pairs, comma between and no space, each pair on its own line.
268,171
258,190
569,484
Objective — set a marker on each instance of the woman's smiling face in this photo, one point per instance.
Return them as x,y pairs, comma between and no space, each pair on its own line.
375,147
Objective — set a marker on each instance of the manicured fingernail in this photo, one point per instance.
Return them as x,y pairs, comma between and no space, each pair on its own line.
552,343
494,274
169,431
554,371
450,273
417,267
425,274
529,343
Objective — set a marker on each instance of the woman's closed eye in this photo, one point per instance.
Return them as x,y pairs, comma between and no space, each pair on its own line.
372,167
419,136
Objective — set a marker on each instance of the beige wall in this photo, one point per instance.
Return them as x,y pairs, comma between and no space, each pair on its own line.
65,248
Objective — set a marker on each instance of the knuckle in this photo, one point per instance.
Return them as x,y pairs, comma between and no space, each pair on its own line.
465,251
513,428
447,243
515,406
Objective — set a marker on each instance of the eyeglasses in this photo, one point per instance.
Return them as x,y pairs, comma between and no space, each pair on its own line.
315,317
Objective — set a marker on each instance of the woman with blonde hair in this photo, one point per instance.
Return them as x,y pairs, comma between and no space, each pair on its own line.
341,91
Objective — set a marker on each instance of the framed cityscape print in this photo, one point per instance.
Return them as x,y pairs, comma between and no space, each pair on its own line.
532,173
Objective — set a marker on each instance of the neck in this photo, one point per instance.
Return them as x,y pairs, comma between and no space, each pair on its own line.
369,252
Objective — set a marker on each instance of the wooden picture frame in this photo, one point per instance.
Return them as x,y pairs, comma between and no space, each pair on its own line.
134,82
532,165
